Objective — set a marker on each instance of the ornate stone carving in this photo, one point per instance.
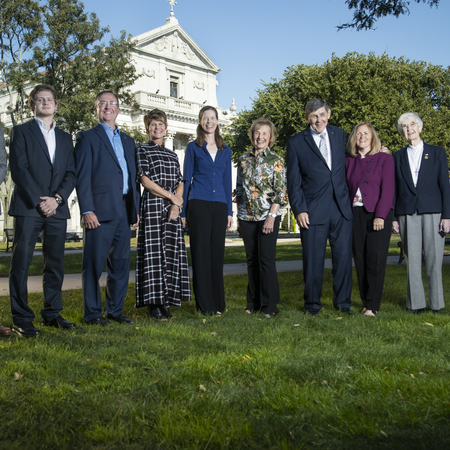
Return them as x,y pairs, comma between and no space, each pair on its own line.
149,73
199,85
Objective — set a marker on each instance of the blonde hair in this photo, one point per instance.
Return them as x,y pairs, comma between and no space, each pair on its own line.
351,143
257,124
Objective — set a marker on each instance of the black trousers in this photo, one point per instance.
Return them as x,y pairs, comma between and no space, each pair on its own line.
53,235
263,292
370,251
207,226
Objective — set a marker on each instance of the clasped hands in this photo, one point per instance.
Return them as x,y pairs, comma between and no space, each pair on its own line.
48,206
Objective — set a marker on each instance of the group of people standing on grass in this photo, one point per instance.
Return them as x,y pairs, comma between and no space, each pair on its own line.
351,194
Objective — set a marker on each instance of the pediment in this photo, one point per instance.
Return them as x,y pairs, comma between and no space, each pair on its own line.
172,42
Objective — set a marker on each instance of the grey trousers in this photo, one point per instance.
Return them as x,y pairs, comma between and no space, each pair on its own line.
421,232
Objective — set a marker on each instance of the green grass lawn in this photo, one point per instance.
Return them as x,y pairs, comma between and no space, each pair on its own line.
233,255
233,382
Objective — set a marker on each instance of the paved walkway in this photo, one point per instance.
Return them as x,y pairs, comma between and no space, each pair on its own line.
73,281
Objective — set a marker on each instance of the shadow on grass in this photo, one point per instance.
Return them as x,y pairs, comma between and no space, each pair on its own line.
236,381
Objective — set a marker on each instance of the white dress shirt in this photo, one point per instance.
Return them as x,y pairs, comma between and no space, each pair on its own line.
49,137
415,159
316,137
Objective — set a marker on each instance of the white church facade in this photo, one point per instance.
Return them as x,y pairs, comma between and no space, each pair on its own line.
177,77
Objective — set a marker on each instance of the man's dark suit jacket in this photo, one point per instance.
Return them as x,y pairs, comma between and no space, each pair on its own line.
432,193
310,182
3,159
34,175
99,175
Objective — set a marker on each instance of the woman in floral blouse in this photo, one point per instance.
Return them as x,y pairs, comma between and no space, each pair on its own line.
260,193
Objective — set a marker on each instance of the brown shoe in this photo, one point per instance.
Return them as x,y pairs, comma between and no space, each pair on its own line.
4,331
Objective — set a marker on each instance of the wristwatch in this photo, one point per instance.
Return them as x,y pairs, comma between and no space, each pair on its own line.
58,200
273,215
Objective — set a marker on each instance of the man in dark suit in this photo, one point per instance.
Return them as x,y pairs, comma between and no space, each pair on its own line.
4,331
422,212
109,203
319,198
43,171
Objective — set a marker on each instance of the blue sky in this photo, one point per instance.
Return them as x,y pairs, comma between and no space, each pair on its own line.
254,40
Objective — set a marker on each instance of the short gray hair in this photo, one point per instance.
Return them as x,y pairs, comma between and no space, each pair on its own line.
404,116
314,105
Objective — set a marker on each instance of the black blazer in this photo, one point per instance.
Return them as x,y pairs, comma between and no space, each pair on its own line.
432,193
33,173
312,186
3,159
99,175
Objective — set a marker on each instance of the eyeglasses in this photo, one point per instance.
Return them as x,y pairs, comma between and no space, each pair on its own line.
103,104
410,125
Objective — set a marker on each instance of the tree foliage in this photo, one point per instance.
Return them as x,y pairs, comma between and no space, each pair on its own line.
56,42
357,88
367,12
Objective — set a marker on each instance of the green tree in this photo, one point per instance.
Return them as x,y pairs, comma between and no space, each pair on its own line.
357,88
73,59
20,29
367,12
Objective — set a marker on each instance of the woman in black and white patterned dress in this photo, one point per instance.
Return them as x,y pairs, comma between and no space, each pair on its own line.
162,273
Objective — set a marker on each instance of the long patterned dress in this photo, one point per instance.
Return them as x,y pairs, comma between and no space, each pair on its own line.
162,273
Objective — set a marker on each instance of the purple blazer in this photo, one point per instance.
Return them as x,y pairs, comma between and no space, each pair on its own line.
374,176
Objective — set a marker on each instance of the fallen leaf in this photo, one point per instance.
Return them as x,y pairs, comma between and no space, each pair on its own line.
429,324
324,382
296,324
412,376
421,373
214,333
383,433
339,318
204,321
88,359
202,388
17,376
350,367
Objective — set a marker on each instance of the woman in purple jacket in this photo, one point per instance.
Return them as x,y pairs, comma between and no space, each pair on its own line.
370,179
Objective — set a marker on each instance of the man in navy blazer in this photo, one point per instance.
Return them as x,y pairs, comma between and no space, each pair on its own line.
319,198
109,203
422,212
43,171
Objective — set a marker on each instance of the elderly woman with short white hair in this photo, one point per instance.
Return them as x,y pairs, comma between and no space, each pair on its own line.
422,212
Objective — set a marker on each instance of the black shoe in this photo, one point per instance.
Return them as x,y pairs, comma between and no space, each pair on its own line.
58,322
418,311
312,312
155,312
436,311
347,311
26,329
121,319
166,312
99,321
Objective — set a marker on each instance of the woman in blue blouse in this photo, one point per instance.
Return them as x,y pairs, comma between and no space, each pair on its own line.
207,209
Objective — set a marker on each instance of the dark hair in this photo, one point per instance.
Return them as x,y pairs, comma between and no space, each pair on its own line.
39,88
107,91
257,124
314,105
375,145
201,132
155,114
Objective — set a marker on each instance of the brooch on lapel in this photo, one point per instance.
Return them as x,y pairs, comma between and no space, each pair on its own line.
426,156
